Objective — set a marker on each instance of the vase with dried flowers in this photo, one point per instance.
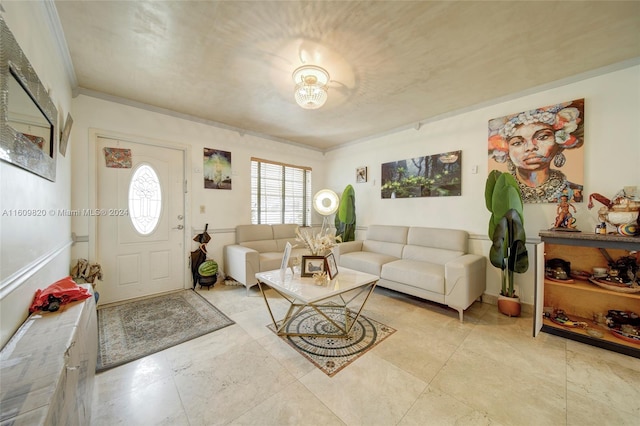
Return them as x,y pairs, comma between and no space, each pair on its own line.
317,244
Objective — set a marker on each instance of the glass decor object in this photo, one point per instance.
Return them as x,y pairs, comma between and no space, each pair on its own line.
311,86
145,199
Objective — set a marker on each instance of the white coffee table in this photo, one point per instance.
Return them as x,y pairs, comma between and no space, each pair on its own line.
302,292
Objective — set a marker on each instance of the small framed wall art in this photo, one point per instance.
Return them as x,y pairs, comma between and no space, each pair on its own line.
217,169
361,174
64,136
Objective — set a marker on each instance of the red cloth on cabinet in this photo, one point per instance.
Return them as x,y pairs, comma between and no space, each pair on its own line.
65,289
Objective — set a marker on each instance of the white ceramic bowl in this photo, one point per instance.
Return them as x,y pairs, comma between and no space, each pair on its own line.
599,272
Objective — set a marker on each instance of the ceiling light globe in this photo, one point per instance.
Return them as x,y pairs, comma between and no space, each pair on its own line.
311,86
310,96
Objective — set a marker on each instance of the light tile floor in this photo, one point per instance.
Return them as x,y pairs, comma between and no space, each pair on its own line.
434,370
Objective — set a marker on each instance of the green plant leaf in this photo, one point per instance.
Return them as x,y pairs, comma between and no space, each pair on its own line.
519,258
345,219
489,186
506,196
509,250
347,208
499,238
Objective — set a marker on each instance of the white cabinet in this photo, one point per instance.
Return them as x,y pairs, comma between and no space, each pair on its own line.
48,367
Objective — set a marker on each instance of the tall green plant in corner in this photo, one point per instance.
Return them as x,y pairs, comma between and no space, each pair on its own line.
506,228
345,220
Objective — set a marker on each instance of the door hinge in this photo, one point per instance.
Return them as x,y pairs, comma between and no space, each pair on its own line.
185,186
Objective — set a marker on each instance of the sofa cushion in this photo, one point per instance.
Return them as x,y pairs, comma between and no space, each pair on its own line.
388,233
425,275
282,243
389,249
429,254
261,246
365,261
447,239
270,261
253,233
287,231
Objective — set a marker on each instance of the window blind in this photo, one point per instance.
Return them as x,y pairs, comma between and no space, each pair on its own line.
280,193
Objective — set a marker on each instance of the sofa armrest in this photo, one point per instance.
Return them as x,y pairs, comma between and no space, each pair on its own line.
242,264
346,247
465,280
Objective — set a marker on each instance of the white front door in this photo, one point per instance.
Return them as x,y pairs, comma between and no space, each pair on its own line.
140,220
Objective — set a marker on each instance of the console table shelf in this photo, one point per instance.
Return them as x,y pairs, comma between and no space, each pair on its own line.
607,341
580,300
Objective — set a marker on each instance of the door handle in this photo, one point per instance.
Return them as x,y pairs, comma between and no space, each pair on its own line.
178,227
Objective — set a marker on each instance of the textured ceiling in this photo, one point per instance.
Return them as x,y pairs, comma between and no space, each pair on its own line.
392,63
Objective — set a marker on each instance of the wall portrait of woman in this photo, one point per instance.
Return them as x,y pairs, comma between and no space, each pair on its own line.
542,149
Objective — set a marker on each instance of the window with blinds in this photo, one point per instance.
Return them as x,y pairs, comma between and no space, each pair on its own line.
280,193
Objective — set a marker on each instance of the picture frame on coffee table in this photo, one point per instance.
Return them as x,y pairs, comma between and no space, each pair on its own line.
331,266
285,259
311,265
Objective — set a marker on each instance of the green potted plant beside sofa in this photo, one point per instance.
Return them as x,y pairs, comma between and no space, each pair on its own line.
345,219
506,230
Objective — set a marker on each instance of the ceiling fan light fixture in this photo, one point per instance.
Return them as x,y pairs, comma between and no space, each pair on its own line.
311,86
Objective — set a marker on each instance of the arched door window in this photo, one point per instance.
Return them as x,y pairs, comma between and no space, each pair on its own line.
145,199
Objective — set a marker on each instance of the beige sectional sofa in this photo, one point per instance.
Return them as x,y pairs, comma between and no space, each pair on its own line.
430,263
258,248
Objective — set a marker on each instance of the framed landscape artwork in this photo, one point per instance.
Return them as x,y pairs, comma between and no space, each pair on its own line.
437,175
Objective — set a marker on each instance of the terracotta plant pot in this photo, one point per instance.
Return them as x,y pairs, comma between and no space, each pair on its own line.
509,306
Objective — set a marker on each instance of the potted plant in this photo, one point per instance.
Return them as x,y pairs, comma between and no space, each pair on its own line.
345,220
506,231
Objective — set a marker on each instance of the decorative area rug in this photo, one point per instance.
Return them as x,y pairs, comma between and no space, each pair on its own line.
133,330
332,354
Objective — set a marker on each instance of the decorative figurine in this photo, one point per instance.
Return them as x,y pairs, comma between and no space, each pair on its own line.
622,210
565,220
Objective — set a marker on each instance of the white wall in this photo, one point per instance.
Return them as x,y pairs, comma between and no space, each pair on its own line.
612,160
34,251
224,208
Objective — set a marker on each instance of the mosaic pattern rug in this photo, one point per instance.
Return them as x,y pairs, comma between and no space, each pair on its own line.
332,354
133,330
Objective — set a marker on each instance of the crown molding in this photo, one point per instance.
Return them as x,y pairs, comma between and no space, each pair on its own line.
618,66
189,117
53,19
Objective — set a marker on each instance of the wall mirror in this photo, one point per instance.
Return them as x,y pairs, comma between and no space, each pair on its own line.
28,117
